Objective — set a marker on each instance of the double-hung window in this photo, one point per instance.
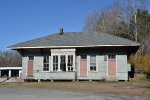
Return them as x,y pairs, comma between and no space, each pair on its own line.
46,63
62,63
70,62
93,63
55,63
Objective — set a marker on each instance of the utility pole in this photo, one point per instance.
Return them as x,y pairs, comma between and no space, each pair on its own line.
135,21
134,8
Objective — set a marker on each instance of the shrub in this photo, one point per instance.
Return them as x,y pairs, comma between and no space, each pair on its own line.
141,62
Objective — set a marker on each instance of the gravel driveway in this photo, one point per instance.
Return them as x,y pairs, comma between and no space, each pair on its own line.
51,94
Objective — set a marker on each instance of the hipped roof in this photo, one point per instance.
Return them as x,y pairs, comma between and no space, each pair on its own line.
75,39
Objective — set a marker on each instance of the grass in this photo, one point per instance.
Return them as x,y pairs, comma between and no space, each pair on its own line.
141,79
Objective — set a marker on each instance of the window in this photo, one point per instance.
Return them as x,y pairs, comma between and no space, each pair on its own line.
93,63
70,62
46,63
55,63
83,57
111,56
31,57
62,63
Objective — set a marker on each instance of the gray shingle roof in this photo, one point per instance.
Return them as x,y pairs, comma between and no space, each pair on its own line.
76,39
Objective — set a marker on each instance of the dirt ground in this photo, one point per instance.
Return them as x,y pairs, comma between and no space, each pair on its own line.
23,93
118,88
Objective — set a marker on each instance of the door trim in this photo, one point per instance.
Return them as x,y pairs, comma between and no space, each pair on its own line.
116,67
80,66
28,75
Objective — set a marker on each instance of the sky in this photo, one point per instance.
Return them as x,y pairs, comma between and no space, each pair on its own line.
22,20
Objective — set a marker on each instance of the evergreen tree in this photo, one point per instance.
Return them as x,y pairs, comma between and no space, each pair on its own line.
143,25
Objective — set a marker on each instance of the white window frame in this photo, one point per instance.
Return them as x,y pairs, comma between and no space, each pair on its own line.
56,62
70,61
94,64
46,63
65,52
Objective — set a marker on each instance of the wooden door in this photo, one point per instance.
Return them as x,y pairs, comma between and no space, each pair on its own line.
83,66
30,68
112,65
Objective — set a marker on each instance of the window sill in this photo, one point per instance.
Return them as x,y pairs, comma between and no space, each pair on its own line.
45,71
62,71
55,71
93,71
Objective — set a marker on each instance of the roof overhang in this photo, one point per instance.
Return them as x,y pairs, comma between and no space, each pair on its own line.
131,45
10,68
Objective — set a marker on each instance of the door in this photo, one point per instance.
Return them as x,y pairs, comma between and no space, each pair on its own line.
112,65
83,66
30,67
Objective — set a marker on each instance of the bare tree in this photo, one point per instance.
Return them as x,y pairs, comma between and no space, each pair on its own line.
92,20
10,59
109,21
116,19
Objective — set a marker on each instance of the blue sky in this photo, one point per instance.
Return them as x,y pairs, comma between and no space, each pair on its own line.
22,20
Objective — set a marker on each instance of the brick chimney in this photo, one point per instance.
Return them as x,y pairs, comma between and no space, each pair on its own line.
61,31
